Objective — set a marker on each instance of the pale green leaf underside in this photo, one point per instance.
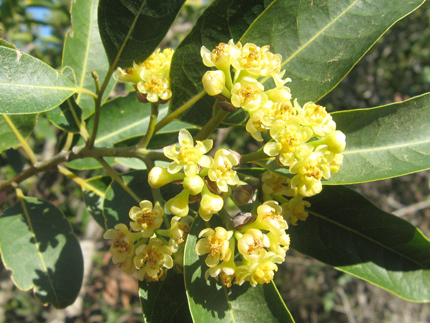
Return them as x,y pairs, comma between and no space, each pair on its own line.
348,232
27,85
23,124
37,243
84,52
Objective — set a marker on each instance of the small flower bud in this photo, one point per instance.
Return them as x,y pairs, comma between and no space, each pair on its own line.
178,205
159,176
336,142
214,82
210,204
279,94
193,184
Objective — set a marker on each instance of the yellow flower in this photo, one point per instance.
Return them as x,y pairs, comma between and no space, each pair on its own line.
179,229
257,61
276,184
221,56
290,141
216,243
309,173
122,247
151,259
255,125
152,76
318,119
270,218
261,271
335,163
248,94
155,89
222,172
282,111
252,244
279,94
295,209
188,156
146,218
279,244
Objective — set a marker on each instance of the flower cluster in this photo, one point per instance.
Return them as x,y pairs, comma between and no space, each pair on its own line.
143,248
151,77
304,139
203,178
261,243
249,247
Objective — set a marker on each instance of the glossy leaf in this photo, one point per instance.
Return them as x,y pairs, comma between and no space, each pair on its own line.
320,41
37,243
384,142
165,301
221,21
94,192
68,116
11,125
348,232
132,30
211,302
84,52
27,85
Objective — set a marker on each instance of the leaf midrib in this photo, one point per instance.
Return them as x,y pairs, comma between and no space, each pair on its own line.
348,152
368,238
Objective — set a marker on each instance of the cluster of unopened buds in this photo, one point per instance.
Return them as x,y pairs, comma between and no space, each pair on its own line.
249,245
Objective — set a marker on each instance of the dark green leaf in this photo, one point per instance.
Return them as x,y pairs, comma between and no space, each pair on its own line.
15,160
84,52
165,301
221,21
94,193
348,232
211,302
13,125
27,85
132,30
384,142
37,243
320,41
68,116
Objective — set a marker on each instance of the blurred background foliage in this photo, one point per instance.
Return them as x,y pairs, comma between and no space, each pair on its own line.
395,69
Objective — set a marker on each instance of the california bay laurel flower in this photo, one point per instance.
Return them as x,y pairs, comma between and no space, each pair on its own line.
209,204
122,247
152,260
222,172
295,209
188,156
151,76
146,219
248,94
252,243
216,244
276,184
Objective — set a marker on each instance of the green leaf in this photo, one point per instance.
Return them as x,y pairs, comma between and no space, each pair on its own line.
120,119
320,41
118,201
221,21
346,231
94,192
384,142
68,116
27,85
165,301
13,125
37,243
132,30
84,52
211,302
